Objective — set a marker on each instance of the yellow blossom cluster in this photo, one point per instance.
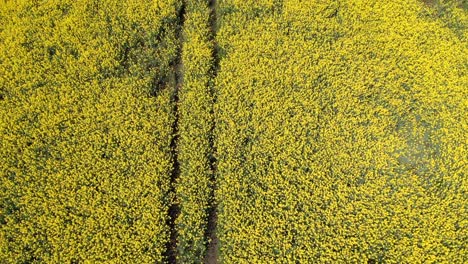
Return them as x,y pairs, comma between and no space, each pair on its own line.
86,118
341,132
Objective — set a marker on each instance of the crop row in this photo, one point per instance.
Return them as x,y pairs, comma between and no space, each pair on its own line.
195,126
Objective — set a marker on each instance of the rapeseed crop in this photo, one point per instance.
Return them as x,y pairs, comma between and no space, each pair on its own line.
341,132
86,124
195,125
257,131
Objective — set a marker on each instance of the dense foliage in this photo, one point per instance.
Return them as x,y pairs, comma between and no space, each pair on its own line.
341,132
86,123
195,126
313,131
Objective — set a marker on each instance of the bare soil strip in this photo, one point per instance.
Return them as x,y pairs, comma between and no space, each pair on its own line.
213,243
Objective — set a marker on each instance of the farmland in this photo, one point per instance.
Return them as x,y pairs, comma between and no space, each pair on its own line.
233,131
195,128
340,134
86,127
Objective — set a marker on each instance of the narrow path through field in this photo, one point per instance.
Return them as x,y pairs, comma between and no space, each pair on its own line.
213,245
174,210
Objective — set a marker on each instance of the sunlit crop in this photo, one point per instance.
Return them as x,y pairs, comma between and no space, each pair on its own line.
86,123
341,133
251,131
195,125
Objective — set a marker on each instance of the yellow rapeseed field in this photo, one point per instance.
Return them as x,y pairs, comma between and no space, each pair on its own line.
195,126
233,131
86,123
341,132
